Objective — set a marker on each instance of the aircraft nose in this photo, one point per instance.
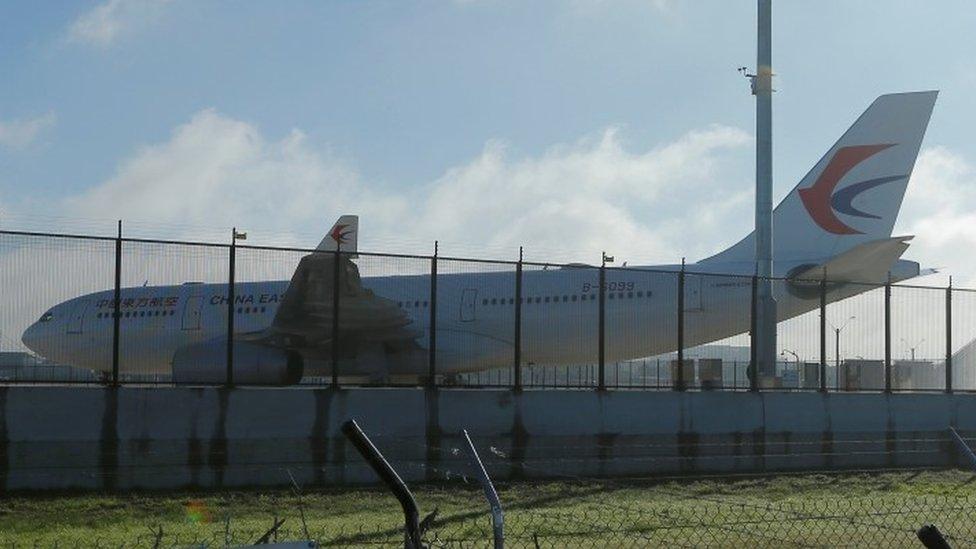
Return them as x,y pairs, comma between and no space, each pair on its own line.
31,337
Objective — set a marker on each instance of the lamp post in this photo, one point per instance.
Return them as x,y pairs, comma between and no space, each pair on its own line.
796,357
837,339
235,235
913,347
837,346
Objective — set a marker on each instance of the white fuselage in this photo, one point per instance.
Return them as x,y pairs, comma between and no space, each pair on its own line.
475,318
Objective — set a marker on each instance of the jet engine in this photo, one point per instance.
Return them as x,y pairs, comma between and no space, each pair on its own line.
206,362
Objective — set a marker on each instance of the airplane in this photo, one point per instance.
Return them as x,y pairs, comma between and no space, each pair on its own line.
835,225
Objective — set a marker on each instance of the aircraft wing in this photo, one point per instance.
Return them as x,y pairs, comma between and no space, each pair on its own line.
305,318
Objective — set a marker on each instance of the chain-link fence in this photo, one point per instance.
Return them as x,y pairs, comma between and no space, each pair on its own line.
822,510
80,309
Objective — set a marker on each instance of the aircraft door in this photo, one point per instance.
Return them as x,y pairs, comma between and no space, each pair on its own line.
469,300
693,300
191,312
77,321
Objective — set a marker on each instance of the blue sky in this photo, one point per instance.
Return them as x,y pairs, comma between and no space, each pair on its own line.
567,126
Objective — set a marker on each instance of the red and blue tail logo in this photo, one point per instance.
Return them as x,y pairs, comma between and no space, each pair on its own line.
824,203
339,233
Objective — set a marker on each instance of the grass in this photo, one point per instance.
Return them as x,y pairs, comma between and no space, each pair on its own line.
880,509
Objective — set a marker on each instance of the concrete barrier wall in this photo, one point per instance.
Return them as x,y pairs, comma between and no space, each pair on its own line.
99,438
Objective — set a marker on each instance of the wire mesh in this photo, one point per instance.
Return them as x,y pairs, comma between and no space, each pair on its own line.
52,289
560,326
798,335
717,320
641,327
173,299
810,509
918,336
856,336
963,339
476,334
393,346
169,288
262,277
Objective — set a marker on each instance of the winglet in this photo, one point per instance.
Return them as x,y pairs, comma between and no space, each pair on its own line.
343,236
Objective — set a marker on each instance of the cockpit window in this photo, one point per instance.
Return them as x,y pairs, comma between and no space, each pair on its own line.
47,316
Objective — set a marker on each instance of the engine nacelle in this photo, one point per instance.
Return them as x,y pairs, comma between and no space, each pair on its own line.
206,362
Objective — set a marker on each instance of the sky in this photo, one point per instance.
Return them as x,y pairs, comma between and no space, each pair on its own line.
567,127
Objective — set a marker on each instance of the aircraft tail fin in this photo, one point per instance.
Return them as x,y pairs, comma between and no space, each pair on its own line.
853,194
343,236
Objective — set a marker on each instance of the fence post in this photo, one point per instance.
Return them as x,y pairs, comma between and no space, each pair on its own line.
497,515
948,329
752,372
679,382
116,313
887,334
823,333
389,476
518,322
337,256
601,372
432,351
231,297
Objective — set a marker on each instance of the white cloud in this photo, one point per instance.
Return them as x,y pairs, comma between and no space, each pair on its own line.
105,23
574,199
17,134
215,170
940,210
591,196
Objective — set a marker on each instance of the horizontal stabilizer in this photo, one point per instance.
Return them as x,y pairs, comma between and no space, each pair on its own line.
868,262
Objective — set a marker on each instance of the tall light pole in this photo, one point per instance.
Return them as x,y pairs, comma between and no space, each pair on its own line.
762,88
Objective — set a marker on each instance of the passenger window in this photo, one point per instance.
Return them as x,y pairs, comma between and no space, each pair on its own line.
574,298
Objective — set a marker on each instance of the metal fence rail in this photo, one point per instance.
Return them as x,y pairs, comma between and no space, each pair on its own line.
602,327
